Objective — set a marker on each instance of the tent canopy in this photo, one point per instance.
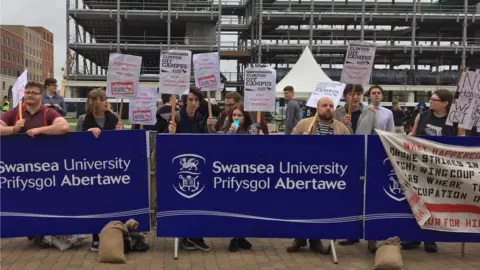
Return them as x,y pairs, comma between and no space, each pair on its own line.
304,76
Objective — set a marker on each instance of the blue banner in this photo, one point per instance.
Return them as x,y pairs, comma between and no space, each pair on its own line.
387,211
72,184
259,186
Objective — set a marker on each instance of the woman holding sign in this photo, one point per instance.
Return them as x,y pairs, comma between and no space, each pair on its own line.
97,118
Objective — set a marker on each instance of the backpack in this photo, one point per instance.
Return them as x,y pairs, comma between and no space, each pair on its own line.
17,116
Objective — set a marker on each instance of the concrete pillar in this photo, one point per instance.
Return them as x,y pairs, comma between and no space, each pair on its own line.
411,96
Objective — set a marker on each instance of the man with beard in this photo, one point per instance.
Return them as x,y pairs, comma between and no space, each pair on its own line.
324,124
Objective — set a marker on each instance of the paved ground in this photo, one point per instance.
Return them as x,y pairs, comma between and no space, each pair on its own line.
266,254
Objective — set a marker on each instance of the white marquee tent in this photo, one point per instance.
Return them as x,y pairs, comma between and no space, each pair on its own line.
304,76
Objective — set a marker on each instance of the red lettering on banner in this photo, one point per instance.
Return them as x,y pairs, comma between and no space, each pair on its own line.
472,223
433,221
414,147
451,222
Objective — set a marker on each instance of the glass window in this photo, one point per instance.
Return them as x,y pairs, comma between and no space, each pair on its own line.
8,57
8,42
3,55
3,41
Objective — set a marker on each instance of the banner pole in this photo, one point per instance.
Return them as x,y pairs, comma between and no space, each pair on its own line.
120,111
463,250
350,103
334,252
20,110
175,249
259,117
209,105
173,103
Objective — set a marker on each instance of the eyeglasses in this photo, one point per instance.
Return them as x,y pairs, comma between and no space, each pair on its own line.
434,99
32,93
229,105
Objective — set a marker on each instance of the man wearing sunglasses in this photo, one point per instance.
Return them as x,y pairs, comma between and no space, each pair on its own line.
52,100
36,119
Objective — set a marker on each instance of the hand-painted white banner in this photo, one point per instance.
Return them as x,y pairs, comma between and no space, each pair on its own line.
175,72
143,108
207,71
332,90
260,85
357,68
123,77
465,109
441,182
18,89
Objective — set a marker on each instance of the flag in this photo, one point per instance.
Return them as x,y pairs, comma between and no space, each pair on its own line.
18,90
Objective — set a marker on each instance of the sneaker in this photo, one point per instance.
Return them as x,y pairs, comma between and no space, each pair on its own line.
243,243
348,242
406,245
187,245
199,243
317,246
94,246
233,247
430,247
297,245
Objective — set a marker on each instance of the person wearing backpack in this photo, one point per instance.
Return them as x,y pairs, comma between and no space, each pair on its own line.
36,119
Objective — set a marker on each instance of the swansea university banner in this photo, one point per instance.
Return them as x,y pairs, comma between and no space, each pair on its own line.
259,186
71,184
387,210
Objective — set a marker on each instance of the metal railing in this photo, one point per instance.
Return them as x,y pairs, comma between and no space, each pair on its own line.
142,5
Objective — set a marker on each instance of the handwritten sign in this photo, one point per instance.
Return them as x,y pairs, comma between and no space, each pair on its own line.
175,72
441,182
260,85
207,71
123,75
332,90
357,68
143,108
465,109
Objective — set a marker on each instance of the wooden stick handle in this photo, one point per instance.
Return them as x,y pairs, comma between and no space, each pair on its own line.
20,110
120,111
259,117
173,103
209,105
309,130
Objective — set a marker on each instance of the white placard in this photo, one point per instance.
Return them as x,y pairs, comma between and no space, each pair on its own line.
465,109
175,72
357,68
143,108
18,89
260,85
206,68
332,90
123,77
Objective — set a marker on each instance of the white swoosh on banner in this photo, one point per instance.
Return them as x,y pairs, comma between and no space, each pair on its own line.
164,214
106,215
389,216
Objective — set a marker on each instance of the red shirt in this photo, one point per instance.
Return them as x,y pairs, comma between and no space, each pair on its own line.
40,118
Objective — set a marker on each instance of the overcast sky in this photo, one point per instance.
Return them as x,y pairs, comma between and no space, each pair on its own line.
51,15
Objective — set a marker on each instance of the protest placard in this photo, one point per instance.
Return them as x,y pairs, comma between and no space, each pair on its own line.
175,72
359,59
260,86
465,109
441,182
18,89
206,68
143,107
332,90
123,75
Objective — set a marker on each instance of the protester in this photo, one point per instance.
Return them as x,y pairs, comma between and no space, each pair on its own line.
5,104
98,117
384,116
51,99
359,119
36,119
398,117
433,123
231,98
190,119
293,112
324,124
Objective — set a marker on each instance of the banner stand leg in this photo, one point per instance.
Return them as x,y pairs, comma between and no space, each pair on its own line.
334,252
463,250
175,249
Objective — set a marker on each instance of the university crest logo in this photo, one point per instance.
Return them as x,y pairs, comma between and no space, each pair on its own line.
188,185
394,190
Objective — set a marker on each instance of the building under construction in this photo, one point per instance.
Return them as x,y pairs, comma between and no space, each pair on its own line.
419,45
